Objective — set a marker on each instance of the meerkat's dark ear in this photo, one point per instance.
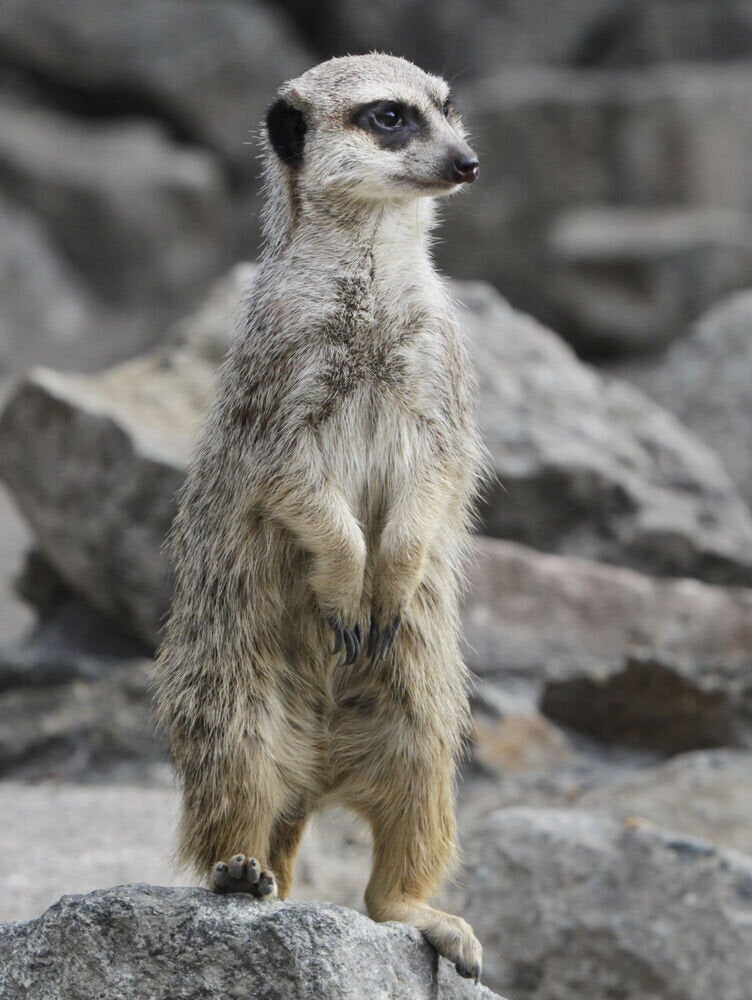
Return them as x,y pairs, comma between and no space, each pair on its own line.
286,126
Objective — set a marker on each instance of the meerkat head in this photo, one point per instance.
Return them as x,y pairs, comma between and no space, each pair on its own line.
370,128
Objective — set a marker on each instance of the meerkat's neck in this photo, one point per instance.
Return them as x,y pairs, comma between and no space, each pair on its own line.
338,235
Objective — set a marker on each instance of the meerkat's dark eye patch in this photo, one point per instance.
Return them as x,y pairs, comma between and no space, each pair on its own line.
286,126
392,124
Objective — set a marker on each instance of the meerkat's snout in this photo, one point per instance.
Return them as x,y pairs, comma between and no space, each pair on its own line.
463,167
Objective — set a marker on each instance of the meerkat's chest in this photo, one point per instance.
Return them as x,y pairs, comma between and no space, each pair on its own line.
371,438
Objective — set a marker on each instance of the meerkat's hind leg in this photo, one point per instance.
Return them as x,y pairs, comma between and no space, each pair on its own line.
243,874
413,846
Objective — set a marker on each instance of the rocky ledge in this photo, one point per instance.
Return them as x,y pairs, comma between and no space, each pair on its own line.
139,941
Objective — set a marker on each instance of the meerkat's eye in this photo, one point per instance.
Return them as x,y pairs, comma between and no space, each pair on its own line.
388,117
391,123
447,107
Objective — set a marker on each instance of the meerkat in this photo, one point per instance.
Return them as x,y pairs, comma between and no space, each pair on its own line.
312,652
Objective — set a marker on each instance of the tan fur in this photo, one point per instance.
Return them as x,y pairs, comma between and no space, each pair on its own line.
334,480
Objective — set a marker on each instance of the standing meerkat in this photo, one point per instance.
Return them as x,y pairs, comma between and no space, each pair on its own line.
311,655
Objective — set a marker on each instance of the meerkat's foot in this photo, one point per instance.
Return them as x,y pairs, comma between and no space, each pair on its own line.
451,936
243,875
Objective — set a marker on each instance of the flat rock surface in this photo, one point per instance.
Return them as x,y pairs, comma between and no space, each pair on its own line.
526,611
138,941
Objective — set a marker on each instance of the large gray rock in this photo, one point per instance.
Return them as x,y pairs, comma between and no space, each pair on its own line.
479,36
584,465
628,281
526,611
114,458
207,70
572,905
135,941
705,380
143,219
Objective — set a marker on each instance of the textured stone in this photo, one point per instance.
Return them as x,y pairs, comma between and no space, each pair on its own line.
628,281
511,736
569,905
132,941
705,380
586,465
44,309
469,39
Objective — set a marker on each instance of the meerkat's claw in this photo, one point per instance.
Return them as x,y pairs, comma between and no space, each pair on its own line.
267,885
467,972
220,877
382,638
351,638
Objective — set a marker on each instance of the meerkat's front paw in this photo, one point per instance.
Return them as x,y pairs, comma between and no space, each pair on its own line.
349,638
382,637
243,875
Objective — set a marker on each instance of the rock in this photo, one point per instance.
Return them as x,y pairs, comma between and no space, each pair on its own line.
703,379
705,794
556,138
654,701
584,464
206,71
107,470
629,280
80,718
526,610
587,466
183,943
142,219
572,905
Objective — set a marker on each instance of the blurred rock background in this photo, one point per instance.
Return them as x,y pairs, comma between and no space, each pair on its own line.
604,271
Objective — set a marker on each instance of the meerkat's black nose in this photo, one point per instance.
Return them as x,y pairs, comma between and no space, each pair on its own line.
465,169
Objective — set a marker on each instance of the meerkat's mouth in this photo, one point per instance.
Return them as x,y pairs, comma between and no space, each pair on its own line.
440,184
